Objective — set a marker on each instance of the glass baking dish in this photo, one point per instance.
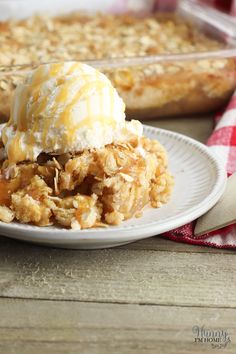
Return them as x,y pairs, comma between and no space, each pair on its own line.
153,85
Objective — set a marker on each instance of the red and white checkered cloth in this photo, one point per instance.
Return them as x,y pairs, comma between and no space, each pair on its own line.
223,142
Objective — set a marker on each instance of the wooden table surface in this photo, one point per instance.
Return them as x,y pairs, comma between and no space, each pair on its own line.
144,297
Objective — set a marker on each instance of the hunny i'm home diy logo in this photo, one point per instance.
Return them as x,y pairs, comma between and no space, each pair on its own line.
217,338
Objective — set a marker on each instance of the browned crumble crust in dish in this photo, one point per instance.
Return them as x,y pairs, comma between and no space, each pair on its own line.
158,89
89,189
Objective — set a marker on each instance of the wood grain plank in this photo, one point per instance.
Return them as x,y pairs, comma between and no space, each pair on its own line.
118,275
72,327
159,243
156,243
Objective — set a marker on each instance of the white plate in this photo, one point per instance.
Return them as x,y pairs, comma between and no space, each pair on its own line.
199,182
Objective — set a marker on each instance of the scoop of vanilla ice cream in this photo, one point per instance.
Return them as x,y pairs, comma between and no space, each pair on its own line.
65,107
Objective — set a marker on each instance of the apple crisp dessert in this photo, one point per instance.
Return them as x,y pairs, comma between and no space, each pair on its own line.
164,88
90,189
69,157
